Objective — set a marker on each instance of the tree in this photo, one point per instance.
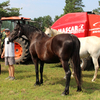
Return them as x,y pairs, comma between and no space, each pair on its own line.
6,11
71,6
97,11
42,22
56,18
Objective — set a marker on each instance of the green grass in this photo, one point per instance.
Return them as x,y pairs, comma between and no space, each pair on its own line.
23,87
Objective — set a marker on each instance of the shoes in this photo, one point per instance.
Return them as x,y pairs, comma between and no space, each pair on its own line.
12,78
8,77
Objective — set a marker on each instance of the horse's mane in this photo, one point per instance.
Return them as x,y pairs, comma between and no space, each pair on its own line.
29,27
32,29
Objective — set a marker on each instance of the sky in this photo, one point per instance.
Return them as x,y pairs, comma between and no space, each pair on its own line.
39,8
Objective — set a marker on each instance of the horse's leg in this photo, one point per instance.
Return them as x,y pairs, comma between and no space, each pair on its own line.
68,74
77,69
96,65
35,61
82,63
71,64
41,71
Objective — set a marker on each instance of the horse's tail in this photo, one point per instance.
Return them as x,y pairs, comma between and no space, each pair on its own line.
76,61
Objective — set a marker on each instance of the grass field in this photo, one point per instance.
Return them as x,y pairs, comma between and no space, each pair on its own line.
23,87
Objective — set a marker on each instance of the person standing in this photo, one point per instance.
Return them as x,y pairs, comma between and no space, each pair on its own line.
9,54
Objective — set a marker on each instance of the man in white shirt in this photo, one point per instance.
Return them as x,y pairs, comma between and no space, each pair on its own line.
9,54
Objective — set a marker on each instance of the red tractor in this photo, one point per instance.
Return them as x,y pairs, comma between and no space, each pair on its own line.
21,44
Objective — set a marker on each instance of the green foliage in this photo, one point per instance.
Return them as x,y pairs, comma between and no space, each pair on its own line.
97,10
56,18
73,6
5,11
70,7
99,3
42,22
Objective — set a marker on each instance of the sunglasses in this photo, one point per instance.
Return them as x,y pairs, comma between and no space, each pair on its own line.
7,31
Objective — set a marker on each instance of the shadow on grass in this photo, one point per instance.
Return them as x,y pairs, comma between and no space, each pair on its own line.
24,74
6,71
87,87
88,75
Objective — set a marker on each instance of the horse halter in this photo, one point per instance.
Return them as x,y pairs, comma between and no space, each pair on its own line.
19,31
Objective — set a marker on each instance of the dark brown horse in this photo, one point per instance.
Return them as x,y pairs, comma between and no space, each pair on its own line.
44,49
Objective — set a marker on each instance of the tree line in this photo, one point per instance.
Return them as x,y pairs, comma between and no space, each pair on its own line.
70,6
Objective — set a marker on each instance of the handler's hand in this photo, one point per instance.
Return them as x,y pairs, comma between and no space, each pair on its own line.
2,55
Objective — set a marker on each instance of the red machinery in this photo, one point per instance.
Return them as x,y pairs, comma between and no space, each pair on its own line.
80,24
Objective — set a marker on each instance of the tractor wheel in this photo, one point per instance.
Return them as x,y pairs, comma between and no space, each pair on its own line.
21,50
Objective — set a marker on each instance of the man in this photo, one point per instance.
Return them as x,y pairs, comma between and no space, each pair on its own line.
9,54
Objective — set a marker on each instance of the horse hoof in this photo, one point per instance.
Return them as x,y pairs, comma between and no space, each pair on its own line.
36,84
79,89
93,80
64,77
41,83
72,76
64,93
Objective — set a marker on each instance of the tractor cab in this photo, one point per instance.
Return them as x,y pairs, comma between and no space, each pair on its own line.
10,22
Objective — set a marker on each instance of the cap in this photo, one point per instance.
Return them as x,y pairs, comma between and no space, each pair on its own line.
7,29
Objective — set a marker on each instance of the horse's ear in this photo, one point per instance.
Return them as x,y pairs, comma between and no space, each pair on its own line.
50,27
23,21
45,27
18,23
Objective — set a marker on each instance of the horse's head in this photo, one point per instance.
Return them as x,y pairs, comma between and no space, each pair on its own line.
49,32
17,32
